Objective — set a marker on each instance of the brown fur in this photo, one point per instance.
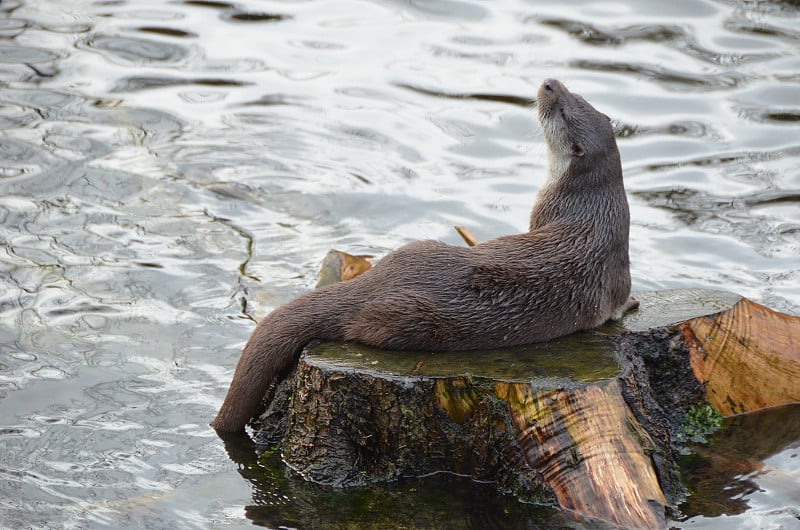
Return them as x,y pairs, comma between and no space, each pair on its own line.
567,273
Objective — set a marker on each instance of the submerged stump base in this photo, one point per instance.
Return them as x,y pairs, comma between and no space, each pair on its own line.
588,422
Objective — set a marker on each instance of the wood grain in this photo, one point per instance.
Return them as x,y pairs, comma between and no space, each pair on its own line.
748,357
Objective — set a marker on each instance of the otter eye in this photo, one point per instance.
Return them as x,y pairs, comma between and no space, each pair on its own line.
563,115
578,150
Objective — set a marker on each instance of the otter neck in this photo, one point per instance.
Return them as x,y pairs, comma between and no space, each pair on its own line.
581,190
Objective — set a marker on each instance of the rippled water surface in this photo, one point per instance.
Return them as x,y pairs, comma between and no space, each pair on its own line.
171,171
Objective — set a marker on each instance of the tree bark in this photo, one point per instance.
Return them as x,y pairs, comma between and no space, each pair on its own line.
591,422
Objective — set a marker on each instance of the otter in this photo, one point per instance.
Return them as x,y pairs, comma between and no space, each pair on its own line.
569,272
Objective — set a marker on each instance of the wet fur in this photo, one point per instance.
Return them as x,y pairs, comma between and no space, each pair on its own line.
569,272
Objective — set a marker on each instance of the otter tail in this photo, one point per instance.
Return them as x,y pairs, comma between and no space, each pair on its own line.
270,352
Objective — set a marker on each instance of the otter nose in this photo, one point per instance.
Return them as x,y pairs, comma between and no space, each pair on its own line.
549,85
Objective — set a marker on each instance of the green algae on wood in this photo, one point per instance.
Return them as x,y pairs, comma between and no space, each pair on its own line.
579,358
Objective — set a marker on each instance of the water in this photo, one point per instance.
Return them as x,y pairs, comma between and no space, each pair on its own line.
171,171
745,479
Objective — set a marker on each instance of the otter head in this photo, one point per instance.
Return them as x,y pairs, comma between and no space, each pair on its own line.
576,132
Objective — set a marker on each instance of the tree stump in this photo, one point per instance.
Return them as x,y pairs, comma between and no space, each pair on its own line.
591,422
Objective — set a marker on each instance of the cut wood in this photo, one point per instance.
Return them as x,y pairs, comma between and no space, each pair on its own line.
338,266
747,358
590,422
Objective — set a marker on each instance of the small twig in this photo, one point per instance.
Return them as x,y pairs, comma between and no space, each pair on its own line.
468,238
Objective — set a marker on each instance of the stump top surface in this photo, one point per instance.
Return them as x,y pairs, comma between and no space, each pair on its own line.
578,359
664,308
574,360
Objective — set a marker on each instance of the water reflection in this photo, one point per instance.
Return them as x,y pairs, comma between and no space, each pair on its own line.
282,500
169,172
753,457
504,98
251,16
138,51
167,32
134,84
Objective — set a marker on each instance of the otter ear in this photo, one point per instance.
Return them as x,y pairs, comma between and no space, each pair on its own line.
578,150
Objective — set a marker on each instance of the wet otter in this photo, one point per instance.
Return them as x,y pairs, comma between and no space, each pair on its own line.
569,272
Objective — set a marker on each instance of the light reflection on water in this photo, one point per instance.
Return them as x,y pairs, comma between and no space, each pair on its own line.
168,171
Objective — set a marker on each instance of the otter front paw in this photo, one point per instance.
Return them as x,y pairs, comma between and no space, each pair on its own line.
630,304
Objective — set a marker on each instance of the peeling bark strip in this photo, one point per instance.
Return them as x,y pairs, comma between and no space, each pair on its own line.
591,451
587,422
